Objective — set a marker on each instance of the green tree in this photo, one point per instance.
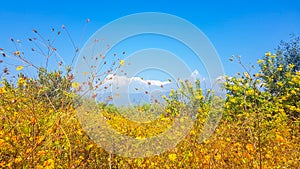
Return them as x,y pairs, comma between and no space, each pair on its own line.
55,87
290,51
274,68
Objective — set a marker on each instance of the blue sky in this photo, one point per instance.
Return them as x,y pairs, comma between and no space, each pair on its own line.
235,27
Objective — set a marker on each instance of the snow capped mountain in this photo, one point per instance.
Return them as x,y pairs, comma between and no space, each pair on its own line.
122,90
123,84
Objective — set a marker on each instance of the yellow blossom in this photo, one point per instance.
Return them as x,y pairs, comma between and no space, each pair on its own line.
172,157
235,88
75,85
21,81
198,97
207,157
260,61
122,62
17,53
279,138
2,142
268,54
140,138
218,156
250,147
199,110
41,152
273,56
18,159
247,75
19,68
249,92
79,132
89,146
233,100
49,164
2,90
39,139
291,66
293,92
280,84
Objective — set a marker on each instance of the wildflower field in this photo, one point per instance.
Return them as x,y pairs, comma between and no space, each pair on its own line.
259,125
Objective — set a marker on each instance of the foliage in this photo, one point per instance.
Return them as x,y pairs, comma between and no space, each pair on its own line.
290,52
254,132
282,84
274,67
34,134
56,88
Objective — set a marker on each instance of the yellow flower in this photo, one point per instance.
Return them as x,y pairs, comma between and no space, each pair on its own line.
18,159
279,69
248,156
250,147
49,164
172,157
235,88
17,53
281,110
218,156
122,62
268,156
295,79
207,157
2,142
33,120
233,100
250,92
198,97
260,61
291,66
140,138
279,138
258,74
268,54
280,84
199,110
21,81
89,146
227,105
39,139
293,92
273,56
292,108
41,152
19,68
75,85
2,90
79,132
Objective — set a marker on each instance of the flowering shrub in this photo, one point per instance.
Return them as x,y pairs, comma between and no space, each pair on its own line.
259,127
